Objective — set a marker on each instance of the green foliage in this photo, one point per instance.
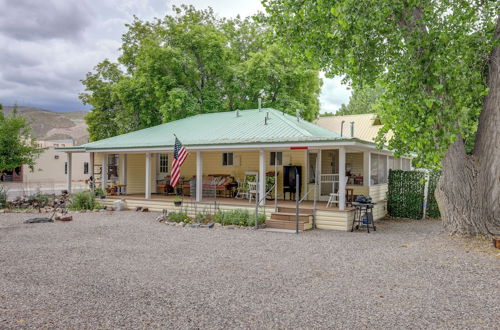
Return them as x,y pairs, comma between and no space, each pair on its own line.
405,197
363,100
84,200
3,197
177,217
99,192
238,217
430,57
194,62
16,145
204,217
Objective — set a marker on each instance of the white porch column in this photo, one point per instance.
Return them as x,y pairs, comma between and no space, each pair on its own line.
367,164
68,174
147,190
199,176
262,177
400,163
123,169
342,182
104,172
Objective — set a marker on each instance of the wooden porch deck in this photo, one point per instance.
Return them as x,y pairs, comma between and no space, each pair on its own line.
320,205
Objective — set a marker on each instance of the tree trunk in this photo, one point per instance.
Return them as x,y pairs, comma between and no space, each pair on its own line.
468,193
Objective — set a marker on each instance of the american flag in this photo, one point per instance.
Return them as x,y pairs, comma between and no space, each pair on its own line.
180,155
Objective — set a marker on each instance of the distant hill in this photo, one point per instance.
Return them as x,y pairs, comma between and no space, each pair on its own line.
46,124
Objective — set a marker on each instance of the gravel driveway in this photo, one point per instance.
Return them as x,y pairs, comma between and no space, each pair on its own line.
125,270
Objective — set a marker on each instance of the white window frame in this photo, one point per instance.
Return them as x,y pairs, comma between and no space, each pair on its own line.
163,163
378,170
227,159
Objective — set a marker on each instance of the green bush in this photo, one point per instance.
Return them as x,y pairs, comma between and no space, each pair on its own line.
204,217
261,219
98,192
177,217
82,201
3,197
238,218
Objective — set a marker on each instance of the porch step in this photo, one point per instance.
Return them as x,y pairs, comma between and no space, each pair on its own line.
284,209
286,224
290,216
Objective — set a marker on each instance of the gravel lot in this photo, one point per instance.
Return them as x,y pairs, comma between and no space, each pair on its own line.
125,270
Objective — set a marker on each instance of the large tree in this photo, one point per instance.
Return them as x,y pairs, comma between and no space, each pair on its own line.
193,62
362,100
16,146
439,63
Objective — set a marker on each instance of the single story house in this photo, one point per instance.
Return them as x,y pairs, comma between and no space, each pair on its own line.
51,166
228,151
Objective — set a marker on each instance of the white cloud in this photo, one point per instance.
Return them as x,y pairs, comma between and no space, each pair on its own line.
48,46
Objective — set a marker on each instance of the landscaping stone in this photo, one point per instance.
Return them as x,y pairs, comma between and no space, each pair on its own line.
211,225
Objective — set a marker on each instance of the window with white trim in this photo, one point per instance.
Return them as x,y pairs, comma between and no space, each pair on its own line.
227,159
163,163
278,156
378,170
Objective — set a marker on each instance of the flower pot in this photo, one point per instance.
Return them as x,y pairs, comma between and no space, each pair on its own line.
177,203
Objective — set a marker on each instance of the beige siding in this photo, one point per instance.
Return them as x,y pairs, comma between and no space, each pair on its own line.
136,173
358,190
49,167
333,220
378,192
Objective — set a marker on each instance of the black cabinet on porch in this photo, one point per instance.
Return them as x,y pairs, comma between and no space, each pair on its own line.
289,181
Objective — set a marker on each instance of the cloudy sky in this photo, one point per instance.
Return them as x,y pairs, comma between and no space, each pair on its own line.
46,47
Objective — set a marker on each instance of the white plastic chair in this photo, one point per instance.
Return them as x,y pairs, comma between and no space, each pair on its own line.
252,191
334,196
242,191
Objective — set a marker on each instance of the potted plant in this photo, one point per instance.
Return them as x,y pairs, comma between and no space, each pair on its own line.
177,201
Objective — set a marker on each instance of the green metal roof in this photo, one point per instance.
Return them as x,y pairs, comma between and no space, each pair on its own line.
222,128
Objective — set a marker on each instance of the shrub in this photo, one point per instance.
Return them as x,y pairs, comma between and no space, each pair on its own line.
3,197
261,219
204,217
98,192
82,201
238,217
177,217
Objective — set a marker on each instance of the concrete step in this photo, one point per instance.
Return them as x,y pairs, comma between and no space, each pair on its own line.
284,224
283,209
290,216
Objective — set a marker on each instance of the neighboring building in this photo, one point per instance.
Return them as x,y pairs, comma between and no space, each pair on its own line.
364,127
227,147
51,165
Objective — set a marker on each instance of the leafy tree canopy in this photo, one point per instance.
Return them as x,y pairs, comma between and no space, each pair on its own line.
193,62
363,100
431,58
16,146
